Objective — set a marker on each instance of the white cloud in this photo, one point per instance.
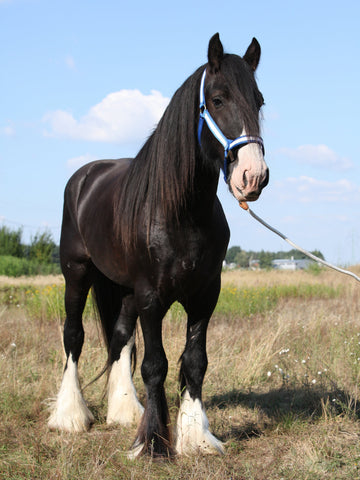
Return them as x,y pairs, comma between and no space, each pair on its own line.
122,117
307,189
70,62
318,156
8,131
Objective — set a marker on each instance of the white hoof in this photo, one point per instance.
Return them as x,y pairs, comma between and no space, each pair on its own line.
123,404
192,430
135,450
70,412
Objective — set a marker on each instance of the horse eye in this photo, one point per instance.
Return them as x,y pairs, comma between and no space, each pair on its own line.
217,102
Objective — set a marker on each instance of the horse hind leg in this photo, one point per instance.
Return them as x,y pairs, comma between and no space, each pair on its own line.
69,412
123,404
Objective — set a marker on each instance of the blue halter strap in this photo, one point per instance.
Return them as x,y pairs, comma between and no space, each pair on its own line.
218,134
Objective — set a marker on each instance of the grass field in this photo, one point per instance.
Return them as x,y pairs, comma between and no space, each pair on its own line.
281,390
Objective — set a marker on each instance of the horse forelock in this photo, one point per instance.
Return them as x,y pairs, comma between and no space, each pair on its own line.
242,83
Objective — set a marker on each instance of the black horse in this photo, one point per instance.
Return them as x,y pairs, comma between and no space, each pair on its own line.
149,231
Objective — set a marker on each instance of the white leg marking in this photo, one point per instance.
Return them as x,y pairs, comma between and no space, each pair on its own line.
192,429
123,404
70,412
135,450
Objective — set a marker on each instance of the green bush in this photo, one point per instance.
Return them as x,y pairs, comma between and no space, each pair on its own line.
10,242
16,267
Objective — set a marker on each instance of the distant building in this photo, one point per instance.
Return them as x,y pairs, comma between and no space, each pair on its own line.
254,264
291,264
229,266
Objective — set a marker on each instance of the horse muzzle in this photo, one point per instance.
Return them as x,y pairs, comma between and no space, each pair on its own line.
249,174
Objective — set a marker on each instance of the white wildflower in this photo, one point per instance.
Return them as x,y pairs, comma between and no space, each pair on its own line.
284,350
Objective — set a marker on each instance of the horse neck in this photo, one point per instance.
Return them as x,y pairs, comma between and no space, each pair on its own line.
203,195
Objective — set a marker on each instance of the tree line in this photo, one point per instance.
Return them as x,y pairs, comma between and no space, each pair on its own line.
40,256
243,258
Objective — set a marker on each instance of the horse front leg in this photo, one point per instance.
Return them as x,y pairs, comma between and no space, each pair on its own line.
123,404
192,427
153,436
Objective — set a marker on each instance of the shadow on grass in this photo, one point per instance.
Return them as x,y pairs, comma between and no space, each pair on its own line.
306,403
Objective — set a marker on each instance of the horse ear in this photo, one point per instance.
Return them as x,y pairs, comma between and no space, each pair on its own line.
215,53
252,55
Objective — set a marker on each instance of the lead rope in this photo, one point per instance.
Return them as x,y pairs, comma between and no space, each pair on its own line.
245,206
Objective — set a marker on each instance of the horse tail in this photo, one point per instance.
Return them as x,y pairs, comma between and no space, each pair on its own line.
107,298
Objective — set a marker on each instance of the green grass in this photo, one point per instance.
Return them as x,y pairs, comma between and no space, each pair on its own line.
47,301
259,394
245,302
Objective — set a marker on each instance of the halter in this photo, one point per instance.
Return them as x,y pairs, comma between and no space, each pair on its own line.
218,134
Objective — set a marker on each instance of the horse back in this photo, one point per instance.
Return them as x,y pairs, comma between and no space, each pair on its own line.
88,209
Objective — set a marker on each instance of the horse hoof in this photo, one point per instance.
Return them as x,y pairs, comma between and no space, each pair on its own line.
70,418
208,445
136,450
192,429
140,449
77,423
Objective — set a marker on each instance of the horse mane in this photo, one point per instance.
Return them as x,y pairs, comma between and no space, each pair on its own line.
160,176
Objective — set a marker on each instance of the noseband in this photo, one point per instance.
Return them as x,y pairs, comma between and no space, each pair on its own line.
218,134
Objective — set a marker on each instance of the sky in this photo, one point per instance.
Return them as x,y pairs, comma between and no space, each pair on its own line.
84,79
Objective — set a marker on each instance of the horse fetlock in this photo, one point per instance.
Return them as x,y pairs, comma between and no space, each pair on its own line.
78,419
123,404
192,430
69,412
125,409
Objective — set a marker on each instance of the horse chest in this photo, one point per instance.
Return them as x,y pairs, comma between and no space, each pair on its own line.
185,268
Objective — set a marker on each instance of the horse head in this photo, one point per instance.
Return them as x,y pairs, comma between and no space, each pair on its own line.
230,103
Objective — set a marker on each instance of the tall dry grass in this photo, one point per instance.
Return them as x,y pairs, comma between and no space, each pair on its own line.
281,390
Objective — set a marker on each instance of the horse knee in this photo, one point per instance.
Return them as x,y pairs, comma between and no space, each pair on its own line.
194,362
154,369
